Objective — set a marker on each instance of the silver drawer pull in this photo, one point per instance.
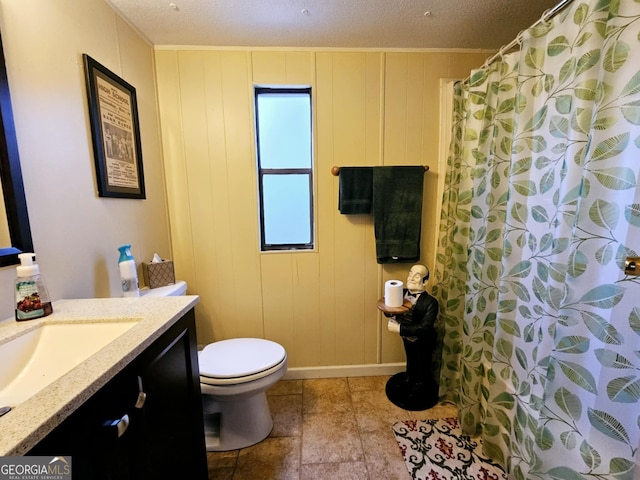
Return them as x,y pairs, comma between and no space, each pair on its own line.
142,397
122,425
119,425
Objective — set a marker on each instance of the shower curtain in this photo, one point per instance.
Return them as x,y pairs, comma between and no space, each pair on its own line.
540,324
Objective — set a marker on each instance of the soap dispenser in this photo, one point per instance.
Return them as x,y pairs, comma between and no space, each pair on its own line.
128,272
32,297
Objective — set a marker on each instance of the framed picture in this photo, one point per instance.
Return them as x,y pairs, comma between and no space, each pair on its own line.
113,114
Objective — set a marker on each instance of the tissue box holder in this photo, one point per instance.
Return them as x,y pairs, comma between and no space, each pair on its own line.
158,274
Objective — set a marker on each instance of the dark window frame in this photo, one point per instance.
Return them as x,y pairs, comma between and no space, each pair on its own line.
265,247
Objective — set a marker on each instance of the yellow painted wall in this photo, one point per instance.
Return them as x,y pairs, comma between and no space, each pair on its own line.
370,108
75,232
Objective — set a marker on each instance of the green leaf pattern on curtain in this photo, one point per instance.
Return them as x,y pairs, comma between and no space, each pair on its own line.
541,207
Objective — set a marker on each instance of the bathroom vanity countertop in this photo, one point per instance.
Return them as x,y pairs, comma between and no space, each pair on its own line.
26,424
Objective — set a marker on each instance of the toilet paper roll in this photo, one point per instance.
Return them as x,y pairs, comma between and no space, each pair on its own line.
393,293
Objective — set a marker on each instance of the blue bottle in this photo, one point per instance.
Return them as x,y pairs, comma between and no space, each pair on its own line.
128,272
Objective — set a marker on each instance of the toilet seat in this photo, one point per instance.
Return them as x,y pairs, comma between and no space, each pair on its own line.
239,360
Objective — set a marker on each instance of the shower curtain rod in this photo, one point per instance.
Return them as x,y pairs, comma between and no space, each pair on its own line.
546,16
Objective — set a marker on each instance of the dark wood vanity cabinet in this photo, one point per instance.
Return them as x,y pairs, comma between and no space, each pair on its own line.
146,423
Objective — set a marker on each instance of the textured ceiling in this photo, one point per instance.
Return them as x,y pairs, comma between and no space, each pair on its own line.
487,24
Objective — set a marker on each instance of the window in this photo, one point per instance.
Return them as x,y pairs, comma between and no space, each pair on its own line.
285,174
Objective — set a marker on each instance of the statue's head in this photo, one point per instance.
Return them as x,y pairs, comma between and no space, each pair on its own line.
417,278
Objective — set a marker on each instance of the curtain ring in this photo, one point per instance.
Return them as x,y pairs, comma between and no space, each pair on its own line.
519,37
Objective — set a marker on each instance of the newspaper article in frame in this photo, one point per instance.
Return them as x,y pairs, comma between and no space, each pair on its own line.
119,142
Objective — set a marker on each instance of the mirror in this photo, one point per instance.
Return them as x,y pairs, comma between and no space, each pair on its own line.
15,234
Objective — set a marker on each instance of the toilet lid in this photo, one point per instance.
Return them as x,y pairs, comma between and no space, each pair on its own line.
239,357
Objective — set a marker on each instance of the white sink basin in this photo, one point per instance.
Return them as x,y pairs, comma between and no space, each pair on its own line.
37,358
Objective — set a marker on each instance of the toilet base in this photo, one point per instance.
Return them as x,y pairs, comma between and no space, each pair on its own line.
237,423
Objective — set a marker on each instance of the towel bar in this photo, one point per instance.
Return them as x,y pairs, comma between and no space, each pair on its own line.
335,171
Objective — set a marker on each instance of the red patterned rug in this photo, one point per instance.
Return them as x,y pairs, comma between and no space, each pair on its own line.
437,450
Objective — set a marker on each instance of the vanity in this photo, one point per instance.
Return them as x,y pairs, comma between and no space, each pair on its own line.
130,409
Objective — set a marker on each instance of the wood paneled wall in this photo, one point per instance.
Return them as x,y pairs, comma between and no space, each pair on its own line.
370,108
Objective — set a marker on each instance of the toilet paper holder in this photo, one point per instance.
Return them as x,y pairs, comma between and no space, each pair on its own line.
632,266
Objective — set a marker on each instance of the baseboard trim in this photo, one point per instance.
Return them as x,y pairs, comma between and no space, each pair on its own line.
301,373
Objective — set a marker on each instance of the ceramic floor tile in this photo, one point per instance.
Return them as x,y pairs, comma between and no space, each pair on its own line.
374,399
335,471
272,459
383,457
222,464
286,411
373,410
221,473
222,459
358,384
330,438
326,395
440,410
338,428
286,387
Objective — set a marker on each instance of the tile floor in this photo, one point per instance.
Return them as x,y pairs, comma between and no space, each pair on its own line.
331,428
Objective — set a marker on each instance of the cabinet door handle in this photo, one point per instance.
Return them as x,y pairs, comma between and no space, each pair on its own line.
120,425
142,396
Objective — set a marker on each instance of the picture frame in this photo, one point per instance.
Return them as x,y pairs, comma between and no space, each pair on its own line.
115,131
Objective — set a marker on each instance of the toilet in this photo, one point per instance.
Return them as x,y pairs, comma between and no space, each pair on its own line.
174,290
234,376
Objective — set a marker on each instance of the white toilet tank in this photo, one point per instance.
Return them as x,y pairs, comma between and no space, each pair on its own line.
177,289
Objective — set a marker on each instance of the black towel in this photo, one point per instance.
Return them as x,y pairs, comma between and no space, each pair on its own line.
397,213
355,194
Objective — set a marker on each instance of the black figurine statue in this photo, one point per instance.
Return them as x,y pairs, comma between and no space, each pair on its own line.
415,389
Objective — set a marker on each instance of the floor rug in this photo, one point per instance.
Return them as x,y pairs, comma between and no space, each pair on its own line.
437,450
